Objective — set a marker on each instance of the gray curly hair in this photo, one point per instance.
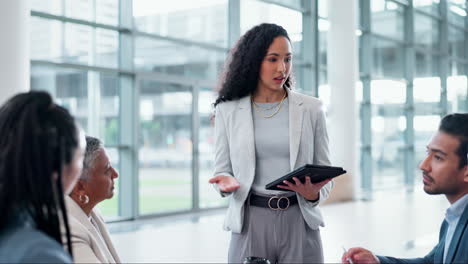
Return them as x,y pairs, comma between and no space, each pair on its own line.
93,145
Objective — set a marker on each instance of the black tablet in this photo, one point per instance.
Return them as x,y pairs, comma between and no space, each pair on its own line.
317,173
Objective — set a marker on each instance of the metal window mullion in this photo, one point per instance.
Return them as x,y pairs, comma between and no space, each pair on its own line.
195,149
233,21
366,106
129,118
409,108
302,10
444,63
310,50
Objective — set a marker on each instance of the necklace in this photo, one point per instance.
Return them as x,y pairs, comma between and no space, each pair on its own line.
260,109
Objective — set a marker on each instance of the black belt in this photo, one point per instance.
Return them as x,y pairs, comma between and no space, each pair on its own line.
273,202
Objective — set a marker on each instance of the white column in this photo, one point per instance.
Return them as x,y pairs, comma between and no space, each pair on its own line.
14,47
342,76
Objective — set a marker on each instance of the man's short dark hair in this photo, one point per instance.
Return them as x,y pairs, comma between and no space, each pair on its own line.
457,125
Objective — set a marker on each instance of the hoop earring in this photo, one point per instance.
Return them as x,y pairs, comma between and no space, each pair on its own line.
83,198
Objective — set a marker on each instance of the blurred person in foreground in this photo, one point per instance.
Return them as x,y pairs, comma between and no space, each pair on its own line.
445,171
41,156
90,239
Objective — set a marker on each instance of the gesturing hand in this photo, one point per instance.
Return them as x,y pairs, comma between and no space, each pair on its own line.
309,190
359,255
225,183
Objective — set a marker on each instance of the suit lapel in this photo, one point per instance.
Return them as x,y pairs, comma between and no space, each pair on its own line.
461,227
296,113
439,253
76,211
247,129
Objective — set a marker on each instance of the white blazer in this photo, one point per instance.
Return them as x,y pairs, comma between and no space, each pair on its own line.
235,151
89,244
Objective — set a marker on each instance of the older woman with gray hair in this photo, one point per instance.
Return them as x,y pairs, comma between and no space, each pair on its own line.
91,242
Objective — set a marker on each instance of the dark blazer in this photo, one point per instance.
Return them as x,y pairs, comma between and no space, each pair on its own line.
458,250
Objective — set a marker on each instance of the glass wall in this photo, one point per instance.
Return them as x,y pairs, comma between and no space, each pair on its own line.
141,75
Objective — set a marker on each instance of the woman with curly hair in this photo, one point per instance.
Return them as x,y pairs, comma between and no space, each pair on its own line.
264,130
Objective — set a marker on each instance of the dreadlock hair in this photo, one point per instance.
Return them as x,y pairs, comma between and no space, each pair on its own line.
457,125
37,138
242,68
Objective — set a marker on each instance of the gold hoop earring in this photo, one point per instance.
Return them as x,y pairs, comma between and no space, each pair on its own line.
83,198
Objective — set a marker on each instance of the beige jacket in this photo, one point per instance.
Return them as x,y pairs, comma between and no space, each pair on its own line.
235,151
90,245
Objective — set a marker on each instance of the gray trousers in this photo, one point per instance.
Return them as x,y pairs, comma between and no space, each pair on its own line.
279,236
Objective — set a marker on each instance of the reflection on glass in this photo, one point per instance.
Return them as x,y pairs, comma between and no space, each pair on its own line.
172,58
457,13
323,8
457,88
254,12
387,18
165,154
387,59
201,20
426,33
427,6
208,196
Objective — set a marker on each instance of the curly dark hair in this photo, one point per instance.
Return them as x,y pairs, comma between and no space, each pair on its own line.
242,68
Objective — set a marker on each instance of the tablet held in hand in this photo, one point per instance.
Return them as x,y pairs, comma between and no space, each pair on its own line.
317,173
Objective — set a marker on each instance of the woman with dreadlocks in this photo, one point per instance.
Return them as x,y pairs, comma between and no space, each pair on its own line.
41,156
263,130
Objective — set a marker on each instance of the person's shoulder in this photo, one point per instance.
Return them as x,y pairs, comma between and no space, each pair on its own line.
31,245
307,100
230,106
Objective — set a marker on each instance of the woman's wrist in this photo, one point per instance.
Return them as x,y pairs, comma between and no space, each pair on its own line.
313,199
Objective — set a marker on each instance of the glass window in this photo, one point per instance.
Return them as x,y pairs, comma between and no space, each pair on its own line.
165,154
48,6
387,59
427,6
323,8
208,196
387,19
426,64
426,33
178,59
73,43
255,12
457,43
92,98
457,13
426,90
457,87
201,20
323,26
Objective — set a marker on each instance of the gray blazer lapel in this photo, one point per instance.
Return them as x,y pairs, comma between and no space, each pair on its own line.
247,128
454,245
296,113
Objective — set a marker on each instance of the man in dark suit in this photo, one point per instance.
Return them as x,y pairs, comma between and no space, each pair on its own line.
445,171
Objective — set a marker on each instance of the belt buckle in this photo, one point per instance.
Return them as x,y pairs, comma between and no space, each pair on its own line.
278,207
